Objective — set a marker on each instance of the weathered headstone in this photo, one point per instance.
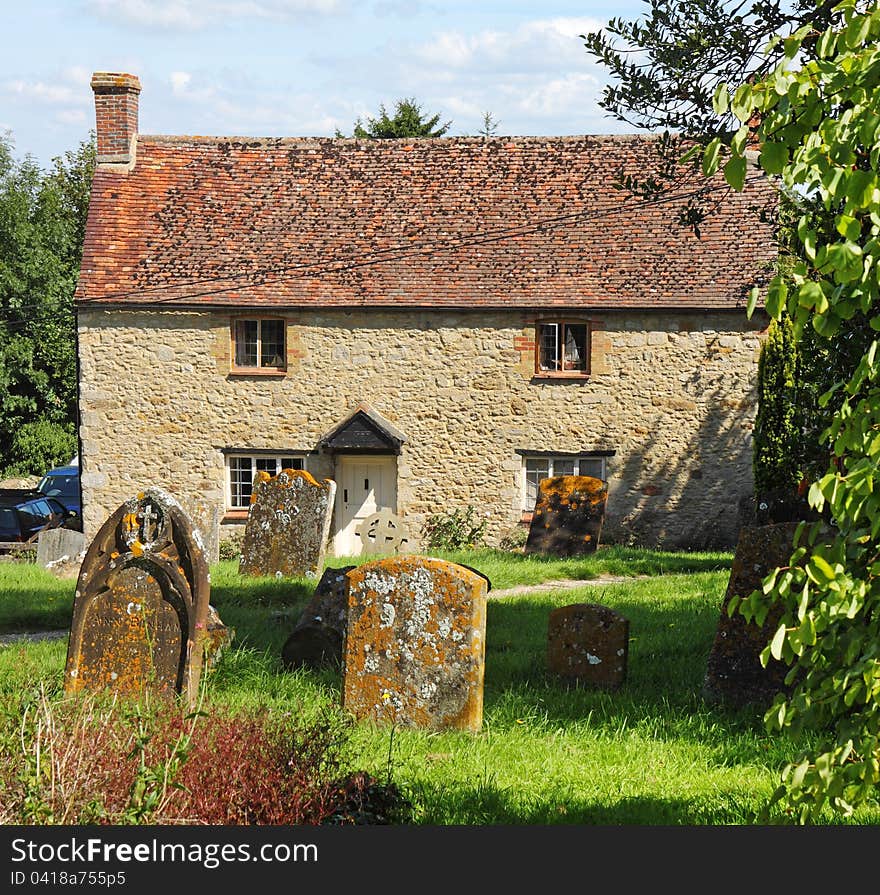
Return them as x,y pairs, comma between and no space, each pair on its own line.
415,645
318,638
141,603
568,517
217,636
383,532
205,516
590,643
734,673
287,526
59,545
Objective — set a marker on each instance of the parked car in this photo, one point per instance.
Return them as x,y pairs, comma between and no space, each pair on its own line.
24,513
62,483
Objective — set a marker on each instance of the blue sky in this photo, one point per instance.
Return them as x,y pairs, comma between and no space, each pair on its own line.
302,67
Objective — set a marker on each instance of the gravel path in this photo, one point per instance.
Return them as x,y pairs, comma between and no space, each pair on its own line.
565,584
9,639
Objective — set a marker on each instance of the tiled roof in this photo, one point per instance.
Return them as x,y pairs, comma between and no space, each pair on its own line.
532,222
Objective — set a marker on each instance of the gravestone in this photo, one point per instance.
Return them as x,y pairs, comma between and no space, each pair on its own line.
217,636
287,526
383,532
568,517
590,643
415,645
141,603
205,515
318,638
56,545
734,673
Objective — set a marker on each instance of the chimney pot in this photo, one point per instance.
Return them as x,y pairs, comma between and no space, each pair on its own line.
116,115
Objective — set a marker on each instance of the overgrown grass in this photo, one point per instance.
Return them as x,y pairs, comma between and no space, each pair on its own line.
651,753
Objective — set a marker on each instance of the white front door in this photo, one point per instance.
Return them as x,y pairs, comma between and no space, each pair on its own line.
364,485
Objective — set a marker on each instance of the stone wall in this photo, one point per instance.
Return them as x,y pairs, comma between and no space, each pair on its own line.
671,393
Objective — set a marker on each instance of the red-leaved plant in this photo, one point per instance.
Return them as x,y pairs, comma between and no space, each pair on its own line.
90,760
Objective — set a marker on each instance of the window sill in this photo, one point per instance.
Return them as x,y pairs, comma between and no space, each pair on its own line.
257,371
526,517
545,374
234,516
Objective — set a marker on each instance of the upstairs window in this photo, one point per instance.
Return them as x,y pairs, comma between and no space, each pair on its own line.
563,348
243,467
259,344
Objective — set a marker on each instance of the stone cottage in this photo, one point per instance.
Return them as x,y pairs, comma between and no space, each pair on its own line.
432,323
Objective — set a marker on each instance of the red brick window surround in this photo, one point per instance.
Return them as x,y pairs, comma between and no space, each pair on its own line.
258,345
562,348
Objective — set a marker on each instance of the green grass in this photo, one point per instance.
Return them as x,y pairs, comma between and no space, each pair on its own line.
548,753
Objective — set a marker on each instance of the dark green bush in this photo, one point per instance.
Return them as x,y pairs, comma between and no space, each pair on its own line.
37,447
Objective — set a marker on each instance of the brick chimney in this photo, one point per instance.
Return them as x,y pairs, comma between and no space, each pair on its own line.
116,116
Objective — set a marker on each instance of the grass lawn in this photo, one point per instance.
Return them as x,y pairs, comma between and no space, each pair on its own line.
652,753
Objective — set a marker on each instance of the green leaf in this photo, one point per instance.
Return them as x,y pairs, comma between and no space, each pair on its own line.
752,302
810,295
774,157
721,99
738,143
776,298
857,31
735,172
848,227
826,44
776,643
710,157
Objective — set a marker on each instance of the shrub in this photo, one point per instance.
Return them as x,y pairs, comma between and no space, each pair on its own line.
39,446
90,760
775,462
515,539
455,530
230,548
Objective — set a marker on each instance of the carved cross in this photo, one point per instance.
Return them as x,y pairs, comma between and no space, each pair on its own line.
148,518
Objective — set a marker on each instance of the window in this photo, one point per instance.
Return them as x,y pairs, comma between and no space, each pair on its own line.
259,344
563,348
544,467
243,467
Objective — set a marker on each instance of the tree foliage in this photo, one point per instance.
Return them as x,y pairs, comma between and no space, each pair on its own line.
408,121
666,65
819,130
42,222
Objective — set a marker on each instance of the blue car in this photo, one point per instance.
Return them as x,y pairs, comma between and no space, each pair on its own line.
62,483
25,512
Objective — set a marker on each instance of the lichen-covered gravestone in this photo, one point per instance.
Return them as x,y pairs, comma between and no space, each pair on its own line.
318,638
415,646
287,526
588,642
568,516
734,673
141,603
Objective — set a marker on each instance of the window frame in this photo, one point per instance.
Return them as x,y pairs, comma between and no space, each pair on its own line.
562,322
259,369
577,459
254,456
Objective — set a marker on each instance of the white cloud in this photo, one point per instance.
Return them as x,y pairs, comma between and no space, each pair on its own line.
559,95
52,92
535,45
77,117
188,15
